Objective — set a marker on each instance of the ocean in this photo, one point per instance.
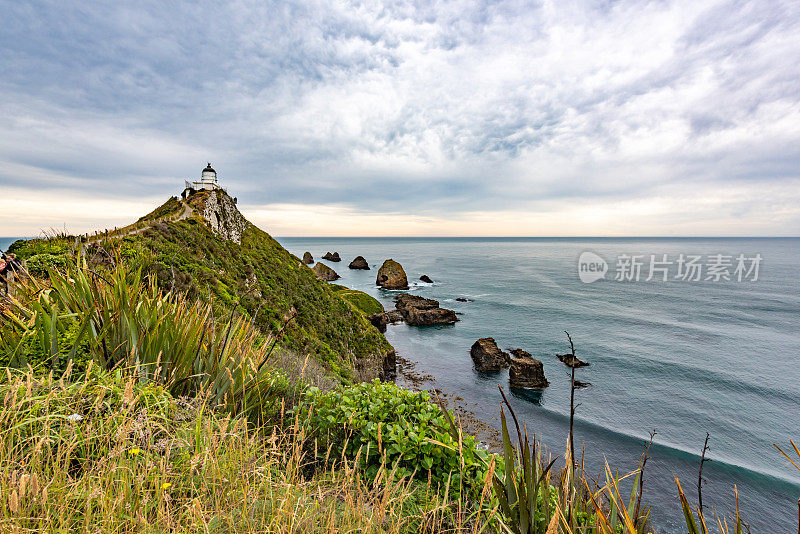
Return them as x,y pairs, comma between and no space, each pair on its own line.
681,357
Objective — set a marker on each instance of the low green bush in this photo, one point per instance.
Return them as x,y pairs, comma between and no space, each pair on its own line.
381,423
40,264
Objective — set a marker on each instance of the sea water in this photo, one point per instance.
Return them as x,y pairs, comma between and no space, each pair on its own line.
680,357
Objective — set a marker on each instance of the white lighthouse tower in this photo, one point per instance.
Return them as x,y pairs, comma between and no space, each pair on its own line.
208,181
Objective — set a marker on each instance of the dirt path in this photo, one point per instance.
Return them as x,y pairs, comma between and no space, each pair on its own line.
184,214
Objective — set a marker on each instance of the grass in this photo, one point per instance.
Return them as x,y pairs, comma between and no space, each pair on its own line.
104,453
364,303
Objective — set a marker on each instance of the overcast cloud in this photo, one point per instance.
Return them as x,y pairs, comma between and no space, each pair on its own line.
407,118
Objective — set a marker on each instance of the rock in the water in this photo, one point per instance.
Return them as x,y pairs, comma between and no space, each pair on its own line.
381,319
406,301
308,259
519,353
332,257
392,276
571,361
419,311
324,272
431,317
487,356
463,299
359,263
526,372
425,278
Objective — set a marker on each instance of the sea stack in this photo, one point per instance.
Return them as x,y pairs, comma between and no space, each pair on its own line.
308,259
392,276
425,278
324,272
526,371
332,257
359,263
487,356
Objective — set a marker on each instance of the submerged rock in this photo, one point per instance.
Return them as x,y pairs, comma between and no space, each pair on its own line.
332,257
487,356
463,299
324,272
308,259
526,372
392,276
425,278
359,263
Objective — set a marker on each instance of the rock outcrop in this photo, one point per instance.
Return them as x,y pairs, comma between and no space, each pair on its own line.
359,263
324,272
526,371
389,370
332,257
487,356
382,319
222,214
419,311
392,276
308,259
425,278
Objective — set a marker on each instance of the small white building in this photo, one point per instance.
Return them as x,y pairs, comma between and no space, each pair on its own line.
208,181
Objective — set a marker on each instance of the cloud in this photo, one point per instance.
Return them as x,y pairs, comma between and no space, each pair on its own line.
447,111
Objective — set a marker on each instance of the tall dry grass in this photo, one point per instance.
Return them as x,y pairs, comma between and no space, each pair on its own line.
106,453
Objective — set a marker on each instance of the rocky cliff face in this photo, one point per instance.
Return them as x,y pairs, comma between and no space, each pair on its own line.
221,212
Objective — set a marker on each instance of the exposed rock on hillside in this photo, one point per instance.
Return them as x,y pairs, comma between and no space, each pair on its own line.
392,276
308,259
419,311
332,257
359,263
221,213
324,272
487,356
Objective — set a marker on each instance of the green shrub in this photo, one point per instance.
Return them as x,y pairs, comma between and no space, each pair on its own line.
39,264
381,422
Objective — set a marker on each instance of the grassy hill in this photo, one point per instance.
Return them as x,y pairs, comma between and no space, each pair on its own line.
213,253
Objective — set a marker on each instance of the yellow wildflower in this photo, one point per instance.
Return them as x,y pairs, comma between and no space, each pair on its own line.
166,485
135,451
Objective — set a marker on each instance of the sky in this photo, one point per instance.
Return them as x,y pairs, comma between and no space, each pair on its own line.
402,118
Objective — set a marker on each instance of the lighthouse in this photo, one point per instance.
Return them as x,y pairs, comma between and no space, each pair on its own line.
208,181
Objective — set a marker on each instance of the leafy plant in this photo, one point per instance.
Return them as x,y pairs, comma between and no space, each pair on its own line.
382,424
122,321
40,264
